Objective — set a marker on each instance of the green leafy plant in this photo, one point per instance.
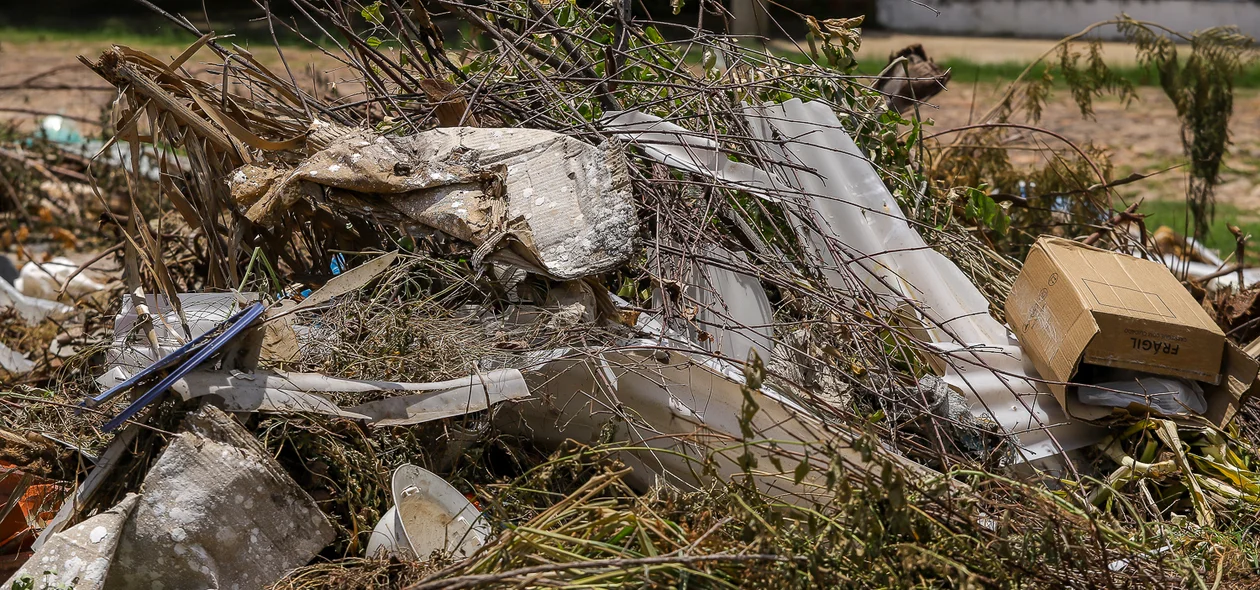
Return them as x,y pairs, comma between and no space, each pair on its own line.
1201,86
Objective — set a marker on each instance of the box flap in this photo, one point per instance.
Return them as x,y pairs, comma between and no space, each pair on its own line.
1050,319
1237,386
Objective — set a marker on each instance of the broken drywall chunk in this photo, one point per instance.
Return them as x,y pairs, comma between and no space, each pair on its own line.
80,557
217,511
565,204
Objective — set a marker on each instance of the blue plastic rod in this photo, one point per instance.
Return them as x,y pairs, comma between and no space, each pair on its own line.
236,325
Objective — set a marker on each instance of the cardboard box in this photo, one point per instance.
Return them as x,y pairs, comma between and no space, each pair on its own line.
1074,308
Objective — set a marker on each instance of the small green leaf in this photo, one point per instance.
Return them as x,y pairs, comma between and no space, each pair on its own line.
801,471
654,35
373,42
372,13
913,137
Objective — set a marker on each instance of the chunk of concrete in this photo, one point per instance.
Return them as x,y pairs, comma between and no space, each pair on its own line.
217,511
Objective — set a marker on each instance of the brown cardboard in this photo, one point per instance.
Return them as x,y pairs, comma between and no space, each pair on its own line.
1074,304
1238,385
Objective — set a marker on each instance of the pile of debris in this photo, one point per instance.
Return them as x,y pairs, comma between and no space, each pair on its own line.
591,307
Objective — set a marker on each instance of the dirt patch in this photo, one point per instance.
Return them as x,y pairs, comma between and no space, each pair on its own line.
66,87
876,45
1143,136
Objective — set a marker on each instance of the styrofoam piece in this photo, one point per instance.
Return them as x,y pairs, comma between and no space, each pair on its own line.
428,515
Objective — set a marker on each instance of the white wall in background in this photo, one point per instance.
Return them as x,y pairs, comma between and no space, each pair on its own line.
1059,18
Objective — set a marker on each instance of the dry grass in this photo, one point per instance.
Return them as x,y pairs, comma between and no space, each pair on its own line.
568,517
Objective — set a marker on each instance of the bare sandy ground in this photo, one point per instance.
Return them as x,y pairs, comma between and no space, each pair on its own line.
55,64
987,50
1142,137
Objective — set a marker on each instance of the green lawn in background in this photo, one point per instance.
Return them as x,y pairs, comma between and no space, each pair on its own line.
965,71
1174,215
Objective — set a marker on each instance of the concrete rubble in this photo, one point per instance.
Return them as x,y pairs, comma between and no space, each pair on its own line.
215,511
81,556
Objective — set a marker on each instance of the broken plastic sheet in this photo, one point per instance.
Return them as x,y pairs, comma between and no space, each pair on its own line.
131,351
1166,396
1183,269
733,307
1186,257
285,392
688,150
409,403
674,410
846,200
45,280
32,310
14,362
281,392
